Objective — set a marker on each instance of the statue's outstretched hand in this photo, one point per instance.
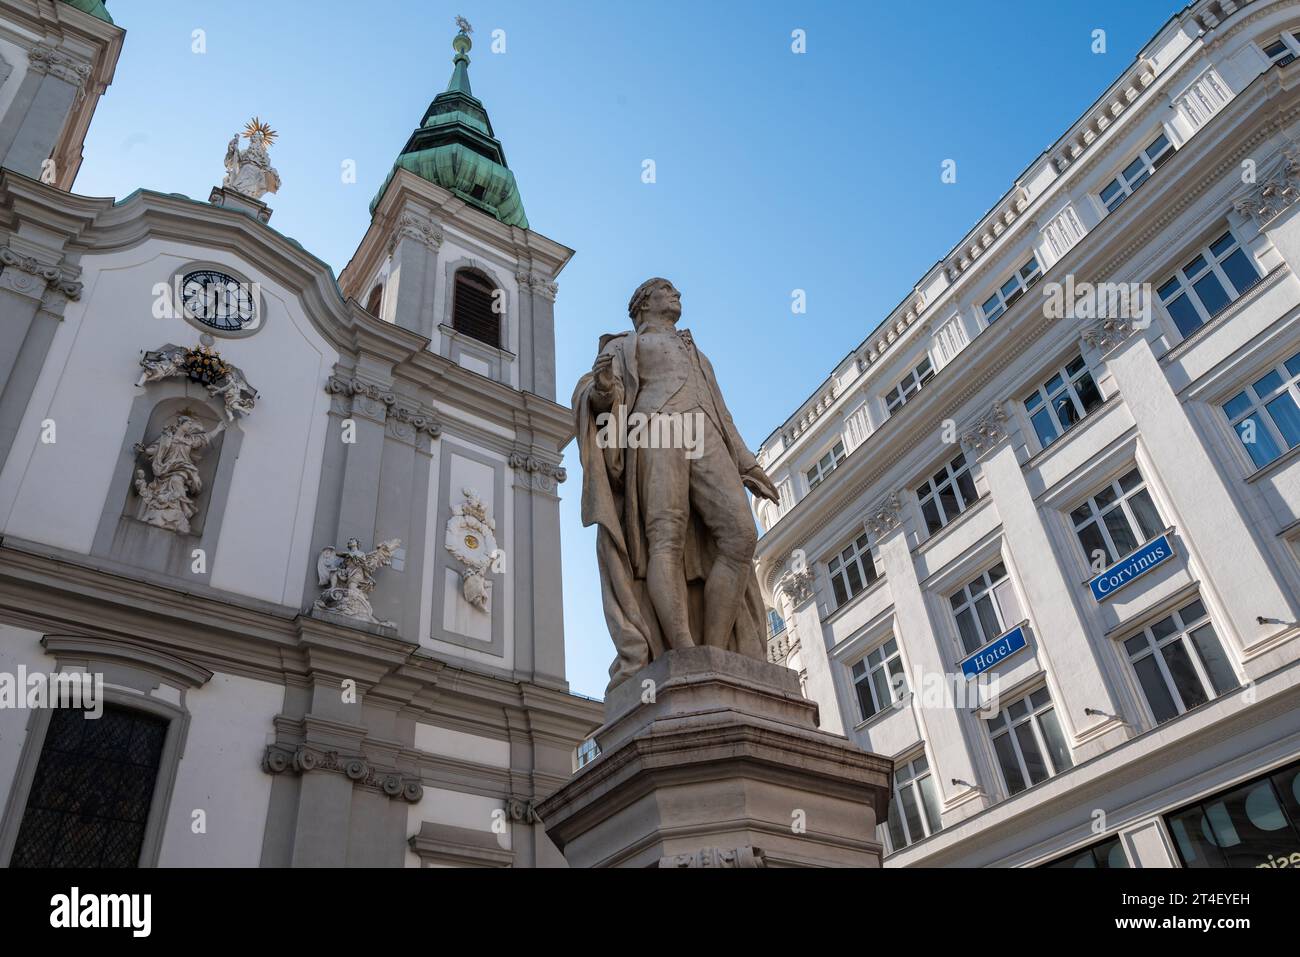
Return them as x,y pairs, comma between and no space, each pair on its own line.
603,371
756,481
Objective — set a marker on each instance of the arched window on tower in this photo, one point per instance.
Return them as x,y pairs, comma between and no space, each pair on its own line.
376,300
471,307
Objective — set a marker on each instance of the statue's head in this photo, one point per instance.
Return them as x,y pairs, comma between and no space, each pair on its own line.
655,298
354,545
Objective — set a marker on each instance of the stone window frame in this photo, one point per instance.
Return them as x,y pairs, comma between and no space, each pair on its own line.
131,672
1004,726
500,359
869,668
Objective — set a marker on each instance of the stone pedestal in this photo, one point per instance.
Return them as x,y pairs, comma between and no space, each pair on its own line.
230,199
712,759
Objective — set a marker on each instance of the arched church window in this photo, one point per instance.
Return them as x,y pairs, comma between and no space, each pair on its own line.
471,307
376,300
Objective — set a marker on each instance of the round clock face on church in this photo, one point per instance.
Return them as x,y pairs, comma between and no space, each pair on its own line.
218,301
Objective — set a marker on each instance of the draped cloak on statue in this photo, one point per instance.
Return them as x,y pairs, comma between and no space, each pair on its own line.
610,501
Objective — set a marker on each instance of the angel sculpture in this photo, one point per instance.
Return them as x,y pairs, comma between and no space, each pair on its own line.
162,363
235,393
347,577
250,171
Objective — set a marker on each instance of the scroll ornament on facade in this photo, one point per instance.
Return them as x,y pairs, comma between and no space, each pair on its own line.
224,382
348,577
471,539
169,494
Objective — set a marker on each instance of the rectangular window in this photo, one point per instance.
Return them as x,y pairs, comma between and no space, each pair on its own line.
1062,400
90,798
878,679
775,623
1116,521
1028,741
1266,415
914,807
1253,824
1156,154
852,570
1284,49
1209,282
1012,289
947,493
1107,853
1179,662
910,386
985,609
825,465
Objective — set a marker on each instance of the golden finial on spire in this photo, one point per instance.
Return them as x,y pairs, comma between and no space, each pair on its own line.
255,125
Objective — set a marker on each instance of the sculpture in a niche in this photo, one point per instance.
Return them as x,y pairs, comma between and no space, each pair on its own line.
471,539
348,577
202,365
171,484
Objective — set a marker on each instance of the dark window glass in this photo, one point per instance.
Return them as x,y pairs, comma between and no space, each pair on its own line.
1251,825
1241,271
1184,314
90,797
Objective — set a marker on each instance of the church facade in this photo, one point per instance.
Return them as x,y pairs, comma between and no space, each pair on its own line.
297,535
1069,459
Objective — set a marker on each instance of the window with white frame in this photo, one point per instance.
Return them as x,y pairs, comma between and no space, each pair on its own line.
1062,400
878,679
1179,662
852,570
947,493
1012,289
1115,521
775,623
1148,160
1284,49
825,465
910,386
1211,280
1265,414
1028,742
857,427
985,608
914,807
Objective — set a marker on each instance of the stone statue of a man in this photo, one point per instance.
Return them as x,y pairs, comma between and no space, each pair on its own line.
664,473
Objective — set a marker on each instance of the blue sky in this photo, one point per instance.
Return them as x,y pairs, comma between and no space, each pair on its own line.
775,171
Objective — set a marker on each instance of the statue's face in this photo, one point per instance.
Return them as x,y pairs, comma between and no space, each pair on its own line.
664,300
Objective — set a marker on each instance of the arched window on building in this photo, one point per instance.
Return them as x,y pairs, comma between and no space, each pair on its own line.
471,307
376,300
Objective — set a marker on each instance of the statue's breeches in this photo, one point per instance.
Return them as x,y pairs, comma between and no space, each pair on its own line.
671,484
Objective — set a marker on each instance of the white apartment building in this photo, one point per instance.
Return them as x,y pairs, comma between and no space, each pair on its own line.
1005,480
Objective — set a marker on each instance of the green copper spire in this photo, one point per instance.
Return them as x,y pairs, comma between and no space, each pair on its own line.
95,8
454,146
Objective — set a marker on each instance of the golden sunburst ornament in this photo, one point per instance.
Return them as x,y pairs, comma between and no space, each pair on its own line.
255,125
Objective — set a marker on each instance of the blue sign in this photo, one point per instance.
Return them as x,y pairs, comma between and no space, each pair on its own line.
1135,566
990,655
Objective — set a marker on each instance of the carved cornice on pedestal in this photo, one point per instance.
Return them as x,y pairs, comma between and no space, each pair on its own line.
44,58
798,586
423,231
301,759
1107,334
538,285
987,432
885,515
374,400
22,273
405,424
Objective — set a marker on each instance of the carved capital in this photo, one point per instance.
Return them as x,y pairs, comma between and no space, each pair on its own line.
30,276
302,759
358,395
798,585
885,515
1107,334
423,231
406,424
1275,194
987,431
538,473
44,58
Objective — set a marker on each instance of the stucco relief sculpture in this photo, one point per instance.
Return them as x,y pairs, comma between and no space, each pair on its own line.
250,171
471,539
224,382
348,577
664,474
171,486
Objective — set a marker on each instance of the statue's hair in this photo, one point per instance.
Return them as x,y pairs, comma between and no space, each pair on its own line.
642,294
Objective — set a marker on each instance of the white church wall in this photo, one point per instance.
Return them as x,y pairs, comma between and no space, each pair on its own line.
19,647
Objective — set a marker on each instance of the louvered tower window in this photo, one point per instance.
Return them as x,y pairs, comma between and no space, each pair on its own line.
471,308
90,797
376,300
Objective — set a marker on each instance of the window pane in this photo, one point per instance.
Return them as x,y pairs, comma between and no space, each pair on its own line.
948,499
1134,170
1184,314
1092,542
988,618
1180,666
1034,761
911,813
1258,441
1089,394
967,486
1148,518
1286,417
1153,686
970,635
854,577
896,835
1010,766
931,512
880,681
1241,271
1055,741
1266,385
841,596
1066,413
1238,404
1120,531
1008,603
865,703
897,680
1196,844
1194,268
930,801
1214,660
1211,292
1220,245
